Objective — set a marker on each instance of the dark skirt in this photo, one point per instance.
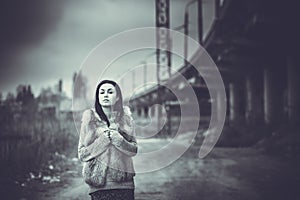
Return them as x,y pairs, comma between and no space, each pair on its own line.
115,194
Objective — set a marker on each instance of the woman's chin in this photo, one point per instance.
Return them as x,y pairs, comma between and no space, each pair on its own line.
106,105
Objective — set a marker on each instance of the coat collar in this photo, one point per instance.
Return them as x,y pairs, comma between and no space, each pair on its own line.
126,112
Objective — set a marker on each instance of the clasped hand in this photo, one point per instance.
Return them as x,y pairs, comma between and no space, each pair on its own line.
115,136
113,133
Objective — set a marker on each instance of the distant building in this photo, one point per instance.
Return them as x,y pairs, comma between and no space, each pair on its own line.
55,103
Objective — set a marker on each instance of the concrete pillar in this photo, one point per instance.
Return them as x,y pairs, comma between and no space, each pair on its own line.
236,102
273,97
142,112
220,103
253,99
134,111
233,102
146,112
249,100
152,112
293,96
158,116
139,113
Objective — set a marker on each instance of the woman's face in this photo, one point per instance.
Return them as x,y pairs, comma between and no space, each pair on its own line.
107,95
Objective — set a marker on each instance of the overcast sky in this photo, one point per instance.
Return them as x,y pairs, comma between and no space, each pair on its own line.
44,41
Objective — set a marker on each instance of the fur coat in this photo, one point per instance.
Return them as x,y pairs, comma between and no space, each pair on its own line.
106,159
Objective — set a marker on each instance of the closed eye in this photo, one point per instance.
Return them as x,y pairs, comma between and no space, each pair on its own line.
110,91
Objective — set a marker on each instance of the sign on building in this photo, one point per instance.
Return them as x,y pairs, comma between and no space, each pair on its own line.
163,42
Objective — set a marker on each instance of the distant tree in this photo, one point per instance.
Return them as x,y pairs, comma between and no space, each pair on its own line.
45,95
48,96
58,88
79,86
74,79
10,98
26,98
60,85
30,92
7,116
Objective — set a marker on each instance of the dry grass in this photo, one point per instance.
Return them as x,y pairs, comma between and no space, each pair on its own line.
29,143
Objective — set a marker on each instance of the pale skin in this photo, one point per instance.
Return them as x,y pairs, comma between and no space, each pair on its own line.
107,98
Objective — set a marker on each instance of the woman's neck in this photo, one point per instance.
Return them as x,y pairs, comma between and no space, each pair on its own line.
107,110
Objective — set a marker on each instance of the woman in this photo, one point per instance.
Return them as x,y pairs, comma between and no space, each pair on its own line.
106,145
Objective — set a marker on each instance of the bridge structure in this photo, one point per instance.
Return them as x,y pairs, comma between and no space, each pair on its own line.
253,44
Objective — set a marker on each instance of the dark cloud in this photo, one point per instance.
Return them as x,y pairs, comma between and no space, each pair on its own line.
42,41
24,24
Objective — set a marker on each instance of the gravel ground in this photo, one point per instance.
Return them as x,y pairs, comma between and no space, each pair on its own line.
227,174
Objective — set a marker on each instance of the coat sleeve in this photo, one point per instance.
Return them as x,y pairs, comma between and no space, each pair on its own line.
128,147
124,140
98,146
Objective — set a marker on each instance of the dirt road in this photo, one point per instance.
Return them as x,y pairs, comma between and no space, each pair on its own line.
227,174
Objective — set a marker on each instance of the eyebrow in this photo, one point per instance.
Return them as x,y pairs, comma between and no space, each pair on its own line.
107,89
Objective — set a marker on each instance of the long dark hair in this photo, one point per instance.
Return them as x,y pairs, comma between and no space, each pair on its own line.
118,106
